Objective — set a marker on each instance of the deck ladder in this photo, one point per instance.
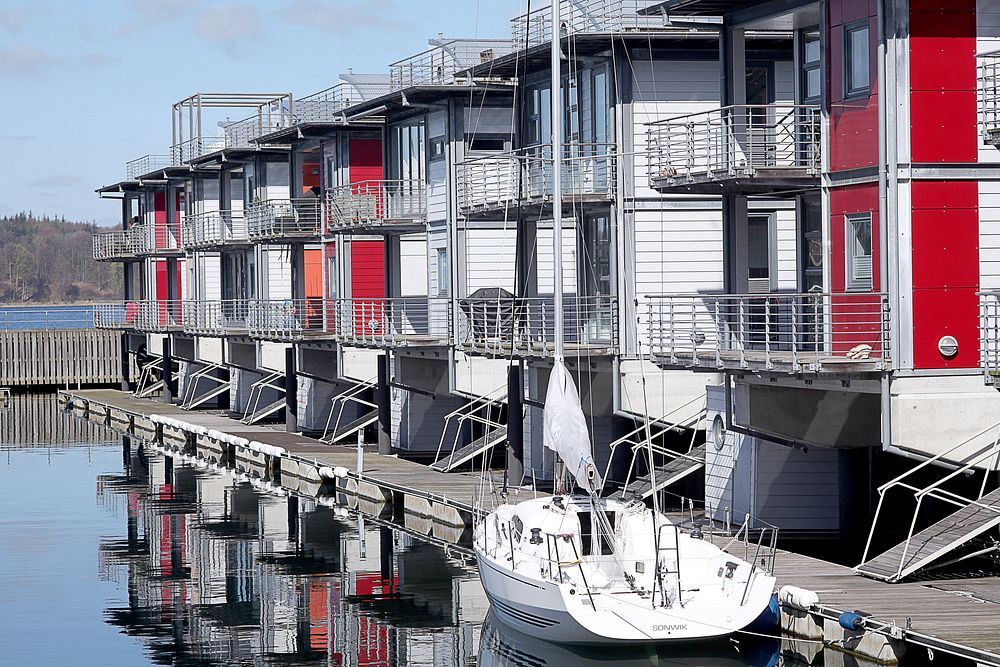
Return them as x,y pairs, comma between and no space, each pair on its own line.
192,399
254,413
484,411
342,430
974,516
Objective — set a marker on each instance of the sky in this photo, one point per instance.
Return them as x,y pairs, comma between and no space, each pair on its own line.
87,86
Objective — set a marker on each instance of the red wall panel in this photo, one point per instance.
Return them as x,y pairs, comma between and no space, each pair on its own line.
845,200
854,121
945,266
367,270
160,218
364,160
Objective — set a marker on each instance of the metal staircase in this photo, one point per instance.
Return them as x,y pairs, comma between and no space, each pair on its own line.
342,430
677,466
974,517
192,399
254,413
483,411
149,383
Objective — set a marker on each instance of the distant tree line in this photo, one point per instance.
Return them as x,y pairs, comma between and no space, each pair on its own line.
45,259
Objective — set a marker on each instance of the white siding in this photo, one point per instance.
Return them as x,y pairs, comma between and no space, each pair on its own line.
787,253
989,235
490,258
543,257
413,266
208,281
277,181
277,272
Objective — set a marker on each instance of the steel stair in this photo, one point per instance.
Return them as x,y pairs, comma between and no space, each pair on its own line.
148,384
191,399
974,516
669,473
934,542
362,422
254,413
340,431
478,446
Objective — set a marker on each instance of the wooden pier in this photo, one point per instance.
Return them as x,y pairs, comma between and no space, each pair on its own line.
945,618
83,357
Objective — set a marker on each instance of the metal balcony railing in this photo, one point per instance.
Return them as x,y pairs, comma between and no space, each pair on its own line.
216,317
210,229
145,165
387,323
327,106
285,218
156,238
584,16
140,315
244,133
989,335
989,98
526,326
438,65
119,244
524,177
813,332
370,205
287,319
747,140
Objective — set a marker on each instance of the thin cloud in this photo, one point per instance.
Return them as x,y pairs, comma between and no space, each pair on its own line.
343,17
17,138
53,179
230,26
28,61
13,19
145,13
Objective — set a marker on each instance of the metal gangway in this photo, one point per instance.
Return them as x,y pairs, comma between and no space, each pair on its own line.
191,399
974,516
254,412
339,402
483,411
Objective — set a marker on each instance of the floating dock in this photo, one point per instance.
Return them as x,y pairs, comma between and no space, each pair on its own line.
957,617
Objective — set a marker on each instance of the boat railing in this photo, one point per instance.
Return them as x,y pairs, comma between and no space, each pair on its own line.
766,542
658,570
552,546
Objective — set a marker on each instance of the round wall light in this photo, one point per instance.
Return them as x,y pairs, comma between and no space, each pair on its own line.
718,433
948,346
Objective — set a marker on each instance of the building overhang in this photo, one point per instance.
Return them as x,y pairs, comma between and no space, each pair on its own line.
735,12
320,129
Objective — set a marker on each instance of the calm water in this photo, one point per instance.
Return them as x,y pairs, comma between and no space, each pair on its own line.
118,557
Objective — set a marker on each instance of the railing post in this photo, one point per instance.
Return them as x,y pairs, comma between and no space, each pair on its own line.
795,333
767,333
742,339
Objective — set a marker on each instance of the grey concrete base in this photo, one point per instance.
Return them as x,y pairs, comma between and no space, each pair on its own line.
869,646
801,624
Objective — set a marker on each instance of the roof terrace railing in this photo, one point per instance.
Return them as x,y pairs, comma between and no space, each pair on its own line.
285,218
812,332
524,177
244,133
584,16
146,164
327,106
438,65
375,204
735,140
209,229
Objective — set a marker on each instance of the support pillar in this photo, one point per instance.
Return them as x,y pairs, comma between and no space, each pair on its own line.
291,392
386,554
515,427
384,402
168,372
126,365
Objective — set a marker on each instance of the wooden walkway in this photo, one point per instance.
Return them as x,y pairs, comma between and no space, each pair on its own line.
960,617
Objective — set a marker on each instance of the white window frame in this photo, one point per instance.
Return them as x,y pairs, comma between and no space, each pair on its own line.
443,269
858,276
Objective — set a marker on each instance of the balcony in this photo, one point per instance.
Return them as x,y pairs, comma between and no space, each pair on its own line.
749,149
327,106
989,98
118,245
154,316
584,17
836,333
393,323
525,327
379,207
226,317
285,219
212,229
146,164
439,65
493,184
989,335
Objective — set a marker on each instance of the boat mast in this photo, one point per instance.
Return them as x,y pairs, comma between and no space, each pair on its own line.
556,143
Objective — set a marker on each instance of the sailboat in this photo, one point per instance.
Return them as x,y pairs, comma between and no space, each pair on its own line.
585,569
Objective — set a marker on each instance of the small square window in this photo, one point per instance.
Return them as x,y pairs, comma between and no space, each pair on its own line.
437,148
857,56
859,251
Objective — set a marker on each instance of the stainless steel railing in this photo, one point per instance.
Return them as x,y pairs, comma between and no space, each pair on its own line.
735,140
797,332
438,65
327,106
375,203
523,177
213,228
584,16
219,317
392,322
287,319
145,165
989,97
140,315
285,218
507,325
118,244
989,335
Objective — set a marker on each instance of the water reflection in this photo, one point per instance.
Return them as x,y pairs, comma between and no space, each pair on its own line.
218,571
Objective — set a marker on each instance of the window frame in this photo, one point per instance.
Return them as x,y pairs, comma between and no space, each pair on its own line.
852,91
853,283
443,276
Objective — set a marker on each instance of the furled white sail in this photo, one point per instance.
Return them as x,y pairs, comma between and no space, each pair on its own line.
566,428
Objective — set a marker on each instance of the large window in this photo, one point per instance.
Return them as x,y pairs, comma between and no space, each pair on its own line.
859,251
857,65
811,71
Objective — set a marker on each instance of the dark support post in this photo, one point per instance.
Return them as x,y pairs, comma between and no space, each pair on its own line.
384,402
126,363
168,372
291,392
515,426
386,554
